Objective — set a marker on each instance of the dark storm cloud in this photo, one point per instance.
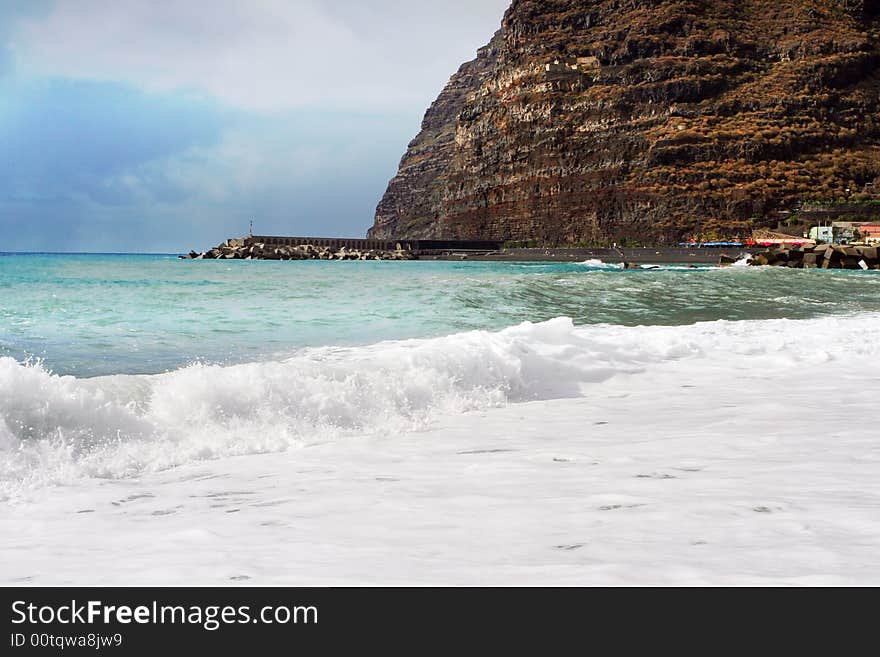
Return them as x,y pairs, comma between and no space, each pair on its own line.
159,125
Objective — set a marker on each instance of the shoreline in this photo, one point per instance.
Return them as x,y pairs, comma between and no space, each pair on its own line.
647,255
669,487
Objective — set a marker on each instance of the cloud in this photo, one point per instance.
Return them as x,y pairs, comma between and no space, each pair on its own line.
160,125
11,14
306,172
265,56
70,140
5,61
103,166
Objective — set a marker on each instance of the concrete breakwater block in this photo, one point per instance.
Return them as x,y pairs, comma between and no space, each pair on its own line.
822,256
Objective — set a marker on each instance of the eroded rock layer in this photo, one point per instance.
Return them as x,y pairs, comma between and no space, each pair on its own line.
646,120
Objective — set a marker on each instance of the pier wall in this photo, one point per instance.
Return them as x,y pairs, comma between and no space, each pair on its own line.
416,246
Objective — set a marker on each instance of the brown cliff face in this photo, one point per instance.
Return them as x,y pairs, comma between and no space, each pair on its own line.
694,116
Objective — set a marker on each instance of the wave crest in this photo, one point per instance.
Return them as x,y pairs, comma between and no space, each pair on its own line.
58,429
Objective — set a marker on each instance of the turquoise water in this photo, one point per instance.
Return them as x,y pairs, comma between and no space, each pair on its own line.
90,315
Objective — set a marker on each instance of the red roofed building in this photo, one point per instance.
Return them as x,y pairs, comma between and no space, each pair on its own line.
870,233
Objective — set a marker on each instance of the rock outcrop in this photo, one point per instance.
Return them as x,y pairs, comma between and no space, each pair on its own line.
598,121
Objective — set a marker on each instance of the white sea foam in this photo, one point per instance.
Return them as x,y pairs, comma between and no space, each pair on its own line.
724,452
58,429
596,263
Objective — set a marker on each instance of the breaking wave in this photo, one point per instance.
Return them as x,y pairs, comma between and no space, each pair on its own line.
57,429
595,263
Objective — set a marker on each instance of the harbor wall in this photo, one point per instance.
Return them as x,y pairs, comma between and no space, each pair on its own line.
492,250
416,246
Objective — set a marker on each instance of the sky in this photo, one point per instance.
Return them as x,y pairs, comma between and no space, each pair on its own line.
162,125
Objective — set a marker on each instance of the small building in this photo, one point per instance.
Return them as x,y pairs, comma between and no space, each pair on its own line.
870,233
844,231
822,234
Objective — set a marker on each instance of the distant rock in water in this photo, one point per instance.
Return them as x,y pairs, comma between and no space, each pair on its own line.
648,120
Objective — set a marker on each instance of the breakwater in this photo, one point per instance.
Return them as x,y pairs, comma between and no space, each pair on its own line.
420,247
263,247
267,247
822,256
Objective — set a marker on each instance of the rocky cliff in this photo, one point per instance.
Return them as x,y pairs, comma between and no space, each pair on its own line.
646,120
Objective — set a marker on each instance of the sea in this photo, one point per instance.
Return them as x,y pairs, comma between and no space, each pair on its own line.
213,422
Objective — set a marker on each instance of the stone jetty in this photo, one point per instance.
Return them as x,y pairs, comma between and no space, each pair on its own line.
823,256
244,250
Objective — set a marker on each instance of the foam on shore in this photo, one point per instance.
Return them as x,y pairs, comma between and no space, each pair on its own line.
59,429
